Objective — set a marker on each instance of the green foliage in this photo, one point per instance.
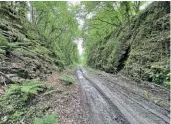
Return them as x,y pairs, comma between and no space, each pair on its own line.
15,104
3,41
31,87
160,75
119,36
58,29
102,19
49,36
47,119
67,79
146,94
167,84
4,44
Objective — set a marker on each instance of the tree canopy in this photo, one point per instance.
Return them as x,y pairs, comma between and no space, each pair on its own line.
56,24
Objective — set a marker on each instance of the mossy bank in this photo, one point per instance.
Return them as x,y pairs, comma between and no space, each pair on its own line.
139,49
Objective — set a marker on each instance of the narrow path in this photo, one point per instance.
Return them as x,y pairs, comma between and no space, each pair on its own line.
115,104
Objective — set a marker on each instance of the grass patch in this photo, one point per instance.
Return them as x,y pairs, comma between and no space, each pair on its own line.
47,119
148,96
67,79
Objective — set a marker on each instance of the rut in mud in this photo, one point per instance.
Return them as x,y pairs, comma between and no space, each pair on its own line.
109,102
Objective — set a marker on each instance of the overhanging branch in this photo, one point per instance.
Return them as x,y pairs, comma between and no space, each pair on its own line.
106,21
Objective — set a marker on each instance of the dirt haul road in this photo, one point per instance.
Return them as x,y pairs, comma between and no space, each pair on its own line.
112,100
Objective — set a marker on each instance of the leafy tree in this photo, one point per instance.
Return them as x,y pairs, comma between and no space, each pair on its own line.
102,18
58,28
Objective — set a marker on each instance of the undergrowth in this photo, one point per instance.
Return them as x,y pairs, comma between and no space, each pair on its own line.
26,90
17,105
47,119
67,79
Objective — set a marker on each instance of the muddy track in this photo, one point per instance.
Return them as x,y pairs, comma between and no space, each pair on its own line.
115,104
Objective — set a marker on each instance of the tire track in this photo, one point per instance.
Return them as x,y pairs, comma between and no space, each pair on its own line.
113,112
164,118
126,111
114,107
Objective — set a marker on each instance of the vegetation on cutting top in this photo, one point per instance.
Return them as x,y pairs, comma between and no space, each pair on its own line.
119,36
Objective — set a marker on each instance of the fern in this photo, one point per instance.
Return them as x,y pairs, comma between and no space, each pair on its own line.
31,87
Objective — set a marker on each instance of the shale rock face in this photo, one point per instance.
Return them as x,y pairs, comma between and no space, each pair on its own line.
140,50
22,55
